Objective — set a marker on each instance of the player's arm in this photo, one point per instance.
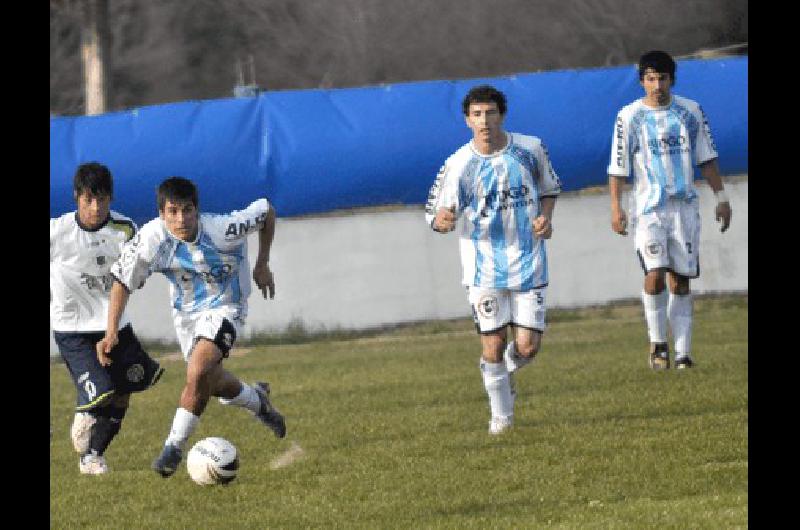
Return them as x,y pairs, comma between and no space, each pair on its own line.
706,158
619,219
710,171
618,171
117,300
442,206
543,225
550,187
135,264
262,274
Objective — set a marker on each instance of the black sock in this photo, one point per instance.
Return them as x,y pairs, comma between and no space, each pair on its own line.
109,422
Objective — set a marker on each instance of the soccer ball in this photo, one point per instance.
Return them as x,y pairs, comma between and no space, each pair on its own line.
212,461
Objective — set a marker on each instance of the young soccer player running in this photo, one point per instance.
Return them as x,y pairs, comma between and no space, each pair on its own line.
204,257
658,139
83,245
503,185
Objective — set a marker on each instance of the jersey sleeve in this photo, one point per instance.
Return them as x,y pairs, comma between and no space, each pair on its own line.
240,223
53,235
140,257
444,193
619,165
549,183
705,149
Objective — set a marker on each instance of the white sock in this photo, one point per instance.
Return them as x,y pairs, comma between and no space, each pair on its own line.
182,427
655,313
247,398
495,380
680,319
514,361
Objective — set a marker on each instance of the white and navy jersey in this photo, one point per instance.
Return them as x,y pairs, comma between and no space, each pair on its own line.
210,272
661,145
498,196
80,278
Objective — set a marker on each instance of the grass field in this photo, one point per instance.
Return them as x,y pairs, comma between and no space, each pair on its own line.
393,429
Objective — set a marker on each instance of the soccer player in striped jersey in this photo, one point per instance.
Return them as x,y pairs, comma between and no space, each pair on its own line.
83,245
658,140
204,257
504,188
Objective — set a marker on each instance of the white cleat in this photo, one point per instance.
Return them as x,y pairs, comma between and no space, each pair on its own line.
81,431
92,464
500,425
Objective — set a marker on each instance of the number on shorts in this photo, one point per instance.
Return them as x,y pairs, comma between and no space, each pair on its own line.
90,389
539,297
688,247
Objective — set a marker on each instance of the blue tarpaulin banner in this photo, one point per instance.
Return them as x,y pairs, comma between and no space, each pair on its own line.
312,151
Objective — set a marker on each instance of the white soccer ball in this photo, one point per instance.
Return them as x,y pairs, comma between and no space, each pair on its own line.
212,460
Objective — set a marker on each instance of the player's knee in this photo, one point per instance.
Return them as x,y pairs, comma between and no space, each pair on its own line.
492,355
679,285
528,350
654,282
121,401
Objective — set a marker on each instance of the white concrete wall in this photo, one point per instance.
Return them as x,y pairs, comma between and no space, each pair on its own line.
372,269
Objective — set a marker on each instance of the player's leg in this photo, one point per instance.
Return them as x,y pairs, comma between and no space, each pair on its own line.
680,311
132,370
650,240
94,388
492,314
684,248
528,318
108,421
203,363
221,328
255,398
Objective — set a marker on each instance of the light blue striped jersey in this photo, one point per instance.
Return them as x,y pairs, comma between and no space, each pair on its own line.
662,145
210,272
498,197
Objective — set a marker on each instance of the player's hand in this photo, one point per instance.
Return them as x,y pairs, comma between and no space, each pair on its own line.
542,227
723,213
262,275
619,222
104,348
445,219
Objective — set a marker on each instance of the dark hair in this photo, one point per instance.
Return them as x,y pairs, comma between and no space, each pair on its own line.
484,94
94,178
659,61
176,189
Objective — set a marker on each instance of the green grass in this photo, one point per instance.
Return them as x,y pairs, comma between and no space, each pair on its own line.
394,428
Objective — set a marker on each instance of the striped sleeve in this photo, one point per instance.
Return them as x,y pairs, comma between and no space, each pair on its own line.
549,183
443,193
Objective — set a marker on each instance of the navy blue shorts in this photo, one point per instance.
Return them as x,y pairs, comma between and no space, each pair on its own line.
132,369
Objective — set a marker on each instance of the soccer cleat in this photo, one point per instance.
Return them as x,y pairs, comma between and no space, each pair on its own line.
269,415
684,361
500,424
166,464
81,431
93,464
659,357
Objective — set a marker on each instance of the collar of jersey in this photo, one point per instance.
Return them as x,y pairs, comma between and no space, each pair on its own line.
660,107
495,153
86,229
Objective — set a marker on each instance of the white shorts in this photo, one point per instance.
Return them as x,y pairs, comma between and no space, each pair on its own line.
220,325
669,237
493,309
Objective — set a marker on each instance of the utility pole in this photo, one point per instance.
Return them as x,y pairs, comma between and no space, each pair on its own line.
96,54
